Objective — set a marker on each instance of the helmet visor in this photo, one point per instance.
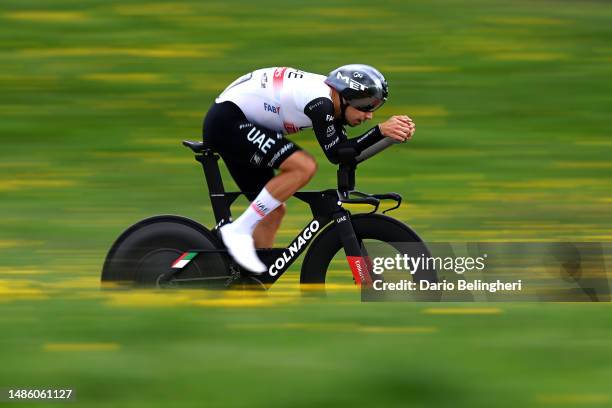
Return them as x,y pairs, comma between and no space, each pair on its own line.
368,104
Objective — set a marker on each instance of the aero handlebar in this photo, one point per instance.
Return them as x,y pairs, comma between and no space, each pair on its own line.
348,155
375,149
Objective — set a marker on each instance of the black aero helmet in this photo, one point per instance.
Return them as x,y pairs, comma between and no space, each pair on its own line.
362,86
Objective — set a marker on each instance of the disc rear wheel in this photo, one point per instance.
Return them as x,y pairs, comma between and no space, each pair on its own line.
147,250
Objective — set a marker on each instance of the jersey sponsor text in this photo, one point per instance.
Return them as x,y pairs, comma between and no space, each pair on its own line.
260,140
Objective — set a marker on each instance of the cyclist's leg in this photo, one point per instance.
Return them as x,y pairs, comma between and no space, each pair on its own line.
252,181
255,147
295,172
265,232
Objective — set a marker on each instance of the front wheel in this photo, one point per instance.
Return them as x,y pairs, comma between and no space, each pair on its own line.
380,237
147,250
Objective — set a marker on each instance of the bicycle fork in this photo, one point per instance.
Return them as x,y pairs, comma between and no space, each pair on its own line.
356,253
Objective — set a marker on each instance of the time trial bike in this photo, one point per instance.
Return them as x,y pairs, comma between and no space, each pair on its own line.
171,250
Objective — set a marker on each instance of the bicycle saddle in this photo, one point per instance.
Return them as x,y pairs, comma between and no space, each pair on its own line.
197,147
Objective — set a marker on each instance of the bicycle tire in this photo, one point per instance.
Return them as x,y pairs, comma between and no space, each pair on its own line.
147,249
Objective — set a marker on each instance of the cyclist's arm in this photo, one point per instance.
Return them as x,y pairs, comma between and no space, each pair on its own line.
331,134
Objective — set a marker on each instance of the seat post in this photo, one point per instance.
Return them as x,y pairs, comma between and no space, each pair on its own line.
219,202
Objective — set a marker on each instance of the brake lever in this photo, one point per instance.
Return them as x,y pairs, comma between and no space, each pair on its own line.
390,196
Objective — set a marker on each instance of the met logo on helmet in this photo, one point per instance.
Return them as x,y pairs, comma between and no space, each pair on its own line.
351,82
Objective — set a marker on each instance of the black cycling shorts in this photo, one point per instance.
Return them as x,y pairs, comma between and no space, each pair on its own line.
251,152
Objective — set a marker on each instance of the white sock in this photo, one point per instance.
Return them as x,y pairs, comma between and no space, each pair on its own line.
263,205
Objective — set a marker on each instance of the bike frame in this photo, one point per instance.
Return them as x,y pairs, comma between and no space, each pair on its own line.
326,207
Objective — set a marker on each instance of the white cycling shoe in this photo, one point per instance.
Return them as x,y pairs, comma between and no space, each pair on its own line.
242,248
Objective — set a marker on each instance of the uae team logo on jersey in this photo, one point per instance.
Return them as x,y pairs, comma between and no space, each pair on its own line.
260,139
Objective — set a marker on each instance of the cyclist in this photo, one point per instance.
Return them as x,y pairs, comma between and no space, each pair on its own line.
247,125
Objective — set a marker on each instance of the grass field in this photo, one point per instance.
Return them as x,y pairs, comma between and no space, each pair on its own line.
512,101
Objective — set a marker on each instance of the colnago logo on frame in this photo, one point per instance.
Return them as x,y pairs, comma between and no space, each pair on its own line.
295,248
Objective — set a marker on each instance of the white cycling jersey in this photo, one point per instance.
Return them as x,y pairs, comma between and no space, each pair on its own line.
276,97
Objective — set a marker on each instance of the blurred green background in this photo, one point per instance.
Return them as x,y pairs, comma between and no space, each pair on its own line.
512,101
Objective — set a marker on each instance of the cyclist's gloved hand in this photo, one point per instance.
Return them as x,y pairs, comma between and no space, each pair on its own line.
399,127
